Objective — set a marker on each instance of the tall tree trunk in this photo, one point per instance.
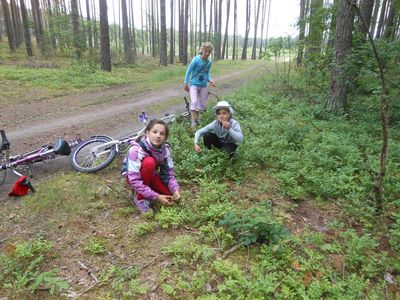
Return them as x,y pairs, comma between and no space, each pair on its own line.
89,25
218,31
185,33
104,38
264,9
210,25
246,36
204,21
172,35
8,25
51,26
25,23
374,17
366,8
95,28
266,31
153,30
141,20
224,46
332,25
17,24
315,29
234,50
381,20
133,32
125,33
163,48
37,17
75,29
337,99
200,38
302,27
180,29
389,24
254,52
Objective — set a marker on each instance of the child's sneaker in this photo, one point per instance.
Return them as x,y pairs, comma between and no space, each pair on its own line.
142,205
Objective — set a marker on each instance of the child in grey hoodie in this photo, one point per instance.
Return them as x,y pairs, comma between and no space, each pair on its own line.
224,133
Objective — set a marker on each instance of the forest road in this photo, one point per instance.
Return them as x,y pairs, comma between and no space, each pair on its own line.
112,111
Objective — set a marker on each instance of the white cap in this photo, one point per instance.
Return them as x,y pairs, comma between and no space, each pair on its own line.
223,104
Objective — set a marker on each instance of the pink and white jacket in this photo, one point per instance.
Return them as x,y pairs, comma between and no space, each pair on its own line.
164,162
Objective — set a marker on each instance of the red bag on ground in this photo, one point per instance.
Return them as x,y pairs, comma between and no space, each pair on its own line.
20,187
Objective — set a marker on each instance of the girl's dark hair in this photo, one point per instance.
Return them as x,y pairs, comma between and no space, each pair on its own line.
154,122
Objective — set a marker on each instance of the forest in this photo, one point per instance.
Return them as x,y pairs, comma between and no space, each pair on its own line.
309,208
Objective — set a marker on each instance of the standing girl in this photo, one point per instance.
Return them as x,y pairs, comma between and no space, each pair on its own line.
196,80
151,169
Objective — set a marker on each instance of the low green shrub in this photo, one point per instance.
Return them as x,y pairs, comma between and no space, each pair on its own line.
23,269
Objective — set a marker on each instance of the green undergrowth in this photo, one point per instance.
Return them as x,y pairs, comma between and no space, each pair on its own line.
291,217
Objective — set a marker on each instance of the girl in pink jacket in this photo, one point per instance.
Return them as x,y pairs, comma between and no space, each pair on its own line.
151,169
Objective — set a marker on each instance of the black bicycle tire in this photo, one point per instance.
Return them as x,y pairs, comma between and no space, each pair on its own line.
90,168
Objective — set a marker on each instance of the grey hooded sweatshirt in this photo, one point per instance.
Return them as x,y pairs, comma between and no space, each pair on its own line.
232,135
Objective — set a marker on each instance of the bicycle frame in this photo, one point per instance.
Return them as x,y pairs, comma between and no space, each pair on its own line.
98,152
26,160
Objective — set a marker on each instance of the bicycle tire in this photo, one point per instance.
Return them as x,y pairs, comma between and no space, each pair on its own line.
3,172
83,159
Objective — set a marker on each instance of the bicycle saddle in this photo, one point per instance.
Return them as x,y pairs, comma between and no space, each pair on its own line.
5,144
61,147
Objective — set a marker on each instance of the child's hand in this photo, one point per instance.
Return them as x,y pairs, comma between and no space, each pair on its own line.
212,83
226,124
197,148
165,200
176,196
186,88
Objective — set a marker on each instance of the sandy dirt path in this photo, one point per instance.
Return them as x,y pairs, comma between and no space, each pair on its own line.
112,111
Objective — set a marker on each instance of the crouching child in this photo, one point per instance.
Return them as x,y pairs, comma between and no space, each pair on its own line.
150,169
223,133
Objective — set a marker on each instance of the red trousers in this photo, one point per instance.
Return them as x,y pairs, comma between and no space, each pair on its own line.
152,179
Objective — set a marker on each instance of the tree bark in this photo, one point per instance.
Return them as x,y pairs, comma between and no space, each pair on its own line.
163,48
234,46
389,24
366,8
266,32
95,28
89,25
125,34
8,26
172,36
315,31
254,52
246,37
185,34
337,98
381,20
51,26
374,17
302,27
75,29
25,23
37,17
104,37
264,10
17,24
224,46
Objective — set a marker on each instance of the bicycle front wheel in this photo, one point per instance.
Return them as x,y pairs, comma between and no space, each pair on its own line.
90,156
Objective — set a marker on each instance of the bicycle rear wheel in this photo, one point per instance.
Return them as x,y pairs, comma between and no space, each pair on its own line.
86,159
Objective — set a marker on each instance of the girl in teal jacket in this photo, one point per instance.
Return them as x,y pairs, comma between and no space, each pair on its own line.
196,80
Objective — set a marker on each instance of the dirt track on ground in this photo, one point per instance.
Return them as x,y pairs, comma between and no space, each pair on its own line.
109,111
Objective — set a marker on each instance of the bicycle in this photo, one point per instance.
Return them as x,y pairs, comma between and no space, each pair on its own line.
25,160
98,152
